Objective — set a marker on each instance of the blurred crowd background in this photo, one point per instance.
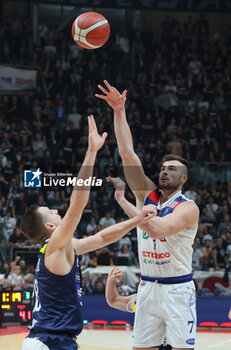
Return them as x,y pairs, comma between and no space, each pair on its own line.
178,101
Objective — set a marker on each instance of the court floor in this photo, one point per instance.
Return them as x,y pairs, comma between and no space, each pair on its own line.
110,339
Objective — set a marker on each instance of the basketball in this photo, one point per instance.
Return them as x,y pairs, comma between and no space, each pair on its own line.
90,30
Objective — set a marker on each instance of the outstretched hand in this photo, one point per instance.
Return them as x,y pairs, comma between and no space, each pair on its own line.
115,274
95,141
112,96
119,186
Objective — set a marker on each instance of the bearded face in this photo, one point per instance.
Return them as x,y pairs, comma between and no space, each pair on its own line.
172,175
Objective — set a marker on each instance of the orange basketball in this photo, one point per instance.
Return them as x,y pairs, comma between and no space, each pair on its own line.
90,30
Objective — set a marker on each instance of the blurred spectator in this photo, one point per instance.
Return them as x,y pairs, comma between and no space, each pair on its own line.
17,281
5,280
75,117
60,113
212,208
19,205
174,146
197,257
218,255
104,256
207,261
223,225
29,282
92,226
87,260
99,288
17,239
8,223
191,193
39,147
126,256
216,155
107,220
87,288
57,203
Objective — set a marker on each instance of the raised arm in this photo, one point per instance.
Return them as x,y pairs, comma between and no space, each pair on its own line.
139,183
113,233
62,235
114,299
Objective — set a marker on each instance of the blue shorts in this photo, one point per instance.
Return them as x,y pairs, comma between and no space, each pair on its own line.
49,341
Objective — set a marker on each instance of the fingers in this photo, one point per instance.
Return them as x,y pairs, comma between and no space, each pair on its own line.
109,179
112,271
115,273
124,94
104,136
117,182
149,211
89,124
118,275
150,208
101,96
149,217
107,84
94,126
103,89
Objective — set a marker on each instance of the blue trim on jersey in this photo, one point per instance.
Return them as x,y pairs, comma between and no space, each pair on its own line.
181,199
168,280
168,209
149,201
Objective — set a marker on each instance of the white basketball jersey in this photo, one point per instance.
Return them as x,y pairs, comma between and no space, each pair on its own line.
168,256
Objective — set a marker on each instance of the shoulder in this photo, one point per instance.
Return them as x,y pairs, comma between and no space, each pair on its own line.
189,212
188,205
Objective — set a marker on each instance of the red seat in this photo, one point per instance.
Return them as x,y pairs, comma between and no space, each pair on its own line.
225,324
119,322
208,324
99,322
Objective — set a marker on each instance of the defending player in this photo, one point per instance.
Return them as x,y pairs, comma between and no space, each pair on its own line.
57,317
166,294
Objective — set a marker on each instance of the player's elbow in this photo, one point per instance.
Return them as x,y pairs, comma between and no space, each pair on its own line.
110,300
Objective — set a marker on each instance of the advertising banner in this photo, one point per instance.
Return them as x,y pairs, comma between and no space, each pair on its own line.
15,79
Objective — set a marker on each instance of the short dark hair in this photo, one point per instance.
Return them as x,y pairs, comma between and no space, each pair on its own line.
180,159
32,225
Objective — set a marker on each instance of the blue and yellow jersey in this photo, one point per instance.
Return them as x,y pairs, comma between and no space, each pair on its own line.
57,299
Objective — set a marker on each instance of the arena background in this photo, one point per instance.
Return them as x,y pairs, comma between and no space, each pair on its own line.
175,61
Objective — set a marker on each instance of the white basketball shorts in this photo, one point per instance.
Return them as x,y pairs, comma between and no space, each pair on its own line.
165,310
48,341
33,343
